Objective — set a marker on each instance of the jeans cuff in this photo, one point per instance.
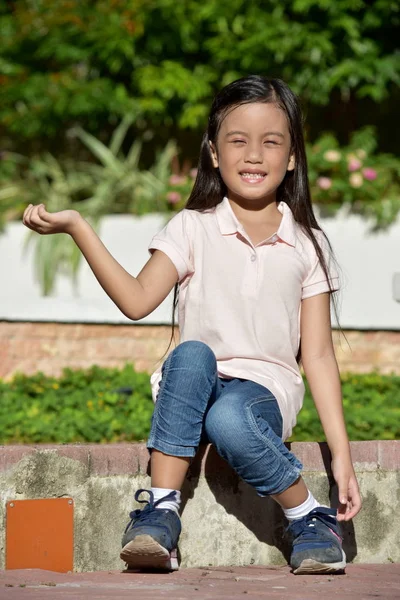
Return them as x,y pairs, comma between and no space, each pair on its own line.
170,449
285,483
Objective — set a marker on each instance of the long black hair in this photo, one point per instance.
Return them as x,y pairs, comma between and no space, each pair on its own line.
209,189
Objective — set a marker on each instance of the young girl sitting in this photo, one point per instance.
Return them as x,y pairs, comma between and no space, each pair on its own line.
255,275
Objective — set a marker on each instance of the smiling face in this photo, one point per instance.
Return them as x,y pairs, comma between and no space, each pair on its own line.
252,152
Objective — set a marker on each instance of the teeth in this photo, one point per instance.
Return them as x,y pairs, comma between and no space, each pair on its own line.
253,175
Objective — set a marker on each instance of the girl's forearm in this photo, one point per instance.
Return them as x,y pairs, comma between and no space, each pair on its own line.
123,289
323,377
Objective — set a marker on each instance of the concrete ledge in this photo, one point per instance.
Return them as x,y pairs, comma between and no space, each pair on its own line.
224,521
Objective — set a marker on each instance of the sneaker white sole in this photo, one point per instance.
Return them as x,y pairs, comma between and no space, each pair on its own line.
309,566
143,552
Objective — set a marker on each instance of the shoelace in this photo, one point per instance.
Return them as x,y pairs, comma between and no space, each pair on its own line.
306,525
148,511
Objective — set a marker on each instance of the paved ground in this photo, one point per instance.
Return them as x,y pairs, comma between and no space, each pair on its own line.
361,582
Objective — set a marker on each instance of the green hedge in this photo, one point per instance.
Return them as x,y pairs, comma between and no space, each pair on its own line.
93,405
110,405
371,406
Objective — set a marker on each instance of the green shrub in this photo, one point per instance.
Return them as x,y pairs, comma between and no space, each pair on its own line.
109,405
95,405
90,62
366,182
371,407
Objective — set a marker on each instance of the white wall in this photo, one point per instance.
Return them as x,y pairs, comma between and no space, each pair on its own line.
368,261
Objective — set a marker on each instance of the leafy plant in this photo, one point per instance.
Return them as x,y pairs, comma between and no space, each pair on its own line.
367,183
109,405
88,62
371,409
96,405
115,183
11,192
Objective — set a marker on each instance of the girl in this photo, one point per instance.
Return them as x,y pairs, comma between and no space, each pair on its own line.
255,275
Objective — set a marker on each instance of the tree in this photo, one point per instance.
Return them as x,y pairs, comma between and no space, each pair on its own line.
93,61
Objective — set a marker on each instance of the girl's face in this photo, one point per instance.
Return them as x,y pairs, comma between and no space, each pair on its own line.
252,151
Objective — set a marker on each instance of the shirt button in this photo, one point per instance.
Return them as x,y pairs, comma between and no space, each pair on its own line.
253,257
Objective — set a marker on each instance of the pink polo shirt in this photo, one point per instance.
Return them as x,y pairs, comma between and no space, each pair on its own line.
244,300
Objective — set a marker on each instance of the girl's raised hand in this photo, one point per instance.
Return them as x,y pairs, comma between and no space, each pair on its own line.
38,219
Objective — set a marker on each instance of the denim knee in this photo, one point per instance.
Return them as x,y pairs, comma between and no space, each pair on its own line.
188,381
193,354
251,444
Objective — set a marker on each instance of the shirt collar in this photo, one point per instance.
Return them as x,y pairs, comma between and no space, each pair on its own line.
229,224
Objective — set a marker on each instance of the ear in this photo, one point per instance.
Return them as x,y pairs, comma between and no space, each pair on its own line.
291,163
214,155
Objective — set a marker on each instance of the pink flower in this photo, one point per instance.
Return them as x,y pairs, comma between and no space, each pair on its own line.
324,183
177,179
193,173
354,164
369,174
173,197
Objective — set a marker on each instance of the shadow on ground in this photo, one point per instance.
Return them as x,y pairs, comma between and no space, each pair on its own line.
262,516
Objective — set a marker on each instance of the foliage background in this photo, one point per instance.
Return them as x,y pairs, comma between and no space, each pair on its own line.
92,66
98,98
92,62
109,405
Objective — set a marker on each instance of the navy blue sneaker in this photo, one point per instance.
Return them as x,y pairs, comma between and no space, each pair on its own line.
317,543
151,537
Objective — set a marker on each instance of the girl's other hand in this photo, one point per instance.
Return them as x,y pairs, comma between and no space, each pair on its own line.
38,219
349,493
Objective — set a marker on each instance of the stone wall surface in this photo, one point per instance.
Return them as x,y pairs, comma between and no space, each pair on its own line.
48,347
224,521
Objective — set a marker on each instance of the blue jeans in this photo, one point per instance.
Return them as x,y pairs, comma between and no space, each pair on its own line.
239,417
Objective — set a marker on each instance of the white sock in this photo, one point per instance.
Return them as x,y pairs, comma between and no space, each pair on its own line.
171,504
302,510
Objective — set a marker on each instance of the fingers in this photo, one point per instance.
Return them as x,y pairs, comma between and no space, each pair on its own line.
44,215
344,507
30,211
26,218
350,502
349,512
352,512
343,495
41,211
34,218
355,506
345,512
26,212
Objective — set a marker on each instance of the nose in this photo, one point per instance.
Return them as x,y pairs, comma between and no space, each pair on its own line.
253,154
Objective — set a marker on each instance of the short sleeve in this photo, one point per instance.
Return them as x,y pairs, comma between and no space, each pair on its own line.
315,281
174,241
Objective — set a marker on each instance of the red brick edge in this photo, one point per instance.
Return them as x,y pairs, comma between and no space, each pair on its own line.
132,459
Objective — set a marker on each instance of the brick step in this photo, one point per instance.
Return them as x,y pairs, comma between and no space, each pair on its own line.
224,521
